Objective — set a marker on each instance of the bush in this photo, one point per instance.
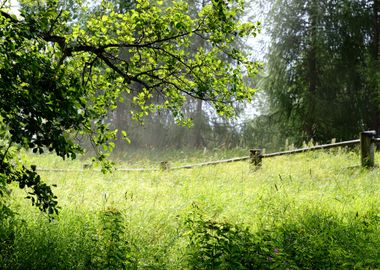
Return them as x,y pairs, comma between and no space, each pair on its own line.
313,240
322,241
113,251
222,245
8,228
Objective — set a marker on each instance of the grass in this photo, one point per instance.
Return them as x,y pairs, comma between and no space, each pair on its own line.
317,210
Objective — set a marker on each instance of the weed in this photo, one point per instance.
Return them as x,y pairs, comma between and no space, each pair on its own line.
221,245
113,251
8,229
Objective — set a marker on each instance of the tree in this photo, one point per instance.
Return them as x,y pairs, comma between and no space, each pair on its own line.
60,76
157,130
323,79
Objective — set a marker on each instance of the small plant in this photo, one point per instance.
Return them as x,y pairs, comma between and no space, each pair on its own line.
8,227
113,250
221,245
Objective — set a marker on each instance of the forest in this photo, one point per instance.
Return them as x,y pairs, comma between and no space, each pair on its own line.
105,103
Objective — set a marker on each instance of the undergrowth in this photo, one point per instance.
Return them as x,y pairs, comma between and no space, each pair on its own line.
310,211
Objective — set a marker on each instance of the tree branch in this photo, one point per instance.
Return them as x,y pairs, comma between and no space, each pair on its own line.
99,53
8,16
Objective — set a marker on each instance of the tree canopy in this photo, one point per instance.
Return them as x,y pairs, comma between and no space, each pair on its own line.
62,72
158,130
323,68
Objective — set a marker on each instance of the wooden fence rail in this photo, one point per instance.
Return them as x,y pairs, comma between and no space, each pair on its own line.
367,143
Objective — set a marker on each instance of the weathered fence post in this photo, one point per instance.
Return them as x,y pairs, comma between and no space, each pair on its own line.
367,148
256,156
87,166
165,165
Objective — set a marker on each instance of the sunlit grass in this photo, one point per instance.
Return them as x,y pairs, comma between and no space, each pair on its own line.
154,204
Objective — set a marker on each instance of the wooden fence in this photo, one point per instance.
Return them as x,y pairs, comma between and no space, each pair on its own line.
367,143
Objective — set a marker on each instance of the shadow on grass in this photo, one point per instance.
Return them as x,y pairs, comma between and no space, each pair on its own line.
322,241
316,240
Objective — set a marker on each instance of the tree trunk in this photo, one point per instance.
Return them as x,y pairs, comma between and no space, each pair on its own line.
312,72
198,124
376,30
374,121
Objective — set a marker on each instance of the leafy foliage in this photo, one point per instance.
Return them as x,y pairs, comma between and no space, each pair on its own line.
113,251
159,130
60,76
8,229
323,241
221,245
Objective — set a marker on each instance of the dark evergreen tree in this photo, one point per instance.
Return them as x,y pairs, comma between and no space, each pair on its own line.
323,75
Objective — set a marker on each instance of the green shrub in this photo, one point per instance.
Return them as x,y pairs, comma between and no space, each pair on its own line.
8,229
322,241
222,245
311,240
113,251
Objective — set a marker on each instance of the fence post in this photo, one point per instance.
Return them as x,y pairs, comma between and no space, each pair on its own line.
367,148
256,157
87,166
164,165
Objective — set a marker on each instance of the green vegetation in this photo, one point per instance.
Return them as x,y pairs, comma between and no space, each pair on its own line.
309,211
66,65
322,71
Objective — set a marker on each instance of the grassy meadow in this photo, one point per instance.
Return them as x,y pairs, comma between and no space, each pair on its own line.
317,210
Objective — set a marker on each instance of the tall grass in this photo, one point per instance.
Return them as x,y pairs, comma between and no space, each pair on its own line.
317,210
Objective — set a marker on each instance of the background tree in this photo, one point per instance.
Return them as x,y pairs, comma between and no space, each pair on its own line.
323,79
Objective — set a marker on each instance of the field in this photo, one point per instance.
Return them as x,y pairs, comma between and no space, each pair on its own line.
317,210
